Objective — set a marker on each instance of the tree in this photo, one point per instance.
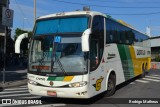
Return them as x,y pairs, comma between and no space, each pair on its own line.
19,31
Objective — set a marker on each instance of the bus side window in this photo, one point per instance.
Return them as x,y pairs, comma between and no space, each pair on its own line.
97,42
94,54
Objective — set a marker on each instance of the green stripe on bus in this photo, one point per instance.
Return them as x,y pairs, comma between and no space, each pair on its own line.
129,61
55,78
126,61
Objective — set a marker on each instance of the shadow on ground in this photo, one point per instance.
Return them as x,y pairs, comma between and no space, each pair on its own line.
14,73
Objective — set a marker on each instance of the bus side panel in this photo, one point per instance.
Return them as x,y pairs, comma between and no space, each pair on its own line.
97,80
133,58
113,62
136,62
126,59
140,58
110,62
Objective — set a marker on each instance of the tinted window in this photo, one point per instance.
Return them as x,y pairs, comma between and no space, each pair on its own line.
98,25
97,42
118,33
61,25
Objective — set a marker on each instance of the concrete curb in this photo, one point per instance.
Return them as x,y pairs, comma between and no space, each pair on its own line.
13,84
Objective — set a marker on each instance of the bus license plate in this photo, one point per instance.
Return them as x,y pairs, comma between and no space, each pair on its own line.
51,93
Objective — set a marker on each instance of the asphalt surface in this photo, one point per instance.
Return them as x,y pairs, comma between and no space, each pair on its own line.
14,76
134,91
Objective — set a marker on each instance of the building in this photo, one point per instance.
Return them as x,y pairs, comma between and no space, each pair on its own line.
155,48
3,3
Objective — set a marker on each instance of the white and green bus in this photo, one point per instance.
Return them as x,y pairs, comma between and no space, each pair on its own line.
83,53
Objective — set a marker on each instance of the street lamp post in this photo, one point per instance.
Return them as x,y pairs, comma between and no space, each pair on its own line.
24,23
34,11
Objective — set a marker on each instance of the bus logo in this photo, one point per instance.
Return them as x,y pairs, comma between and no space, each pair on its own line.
141,52
98,83
110,56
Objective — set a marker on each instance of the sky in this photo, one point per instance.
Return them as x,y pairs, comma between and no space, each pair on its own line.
138,13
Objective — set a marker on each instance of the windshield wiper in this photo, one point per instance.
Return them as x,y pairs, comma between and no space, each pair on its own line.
41,61
58,61
60,64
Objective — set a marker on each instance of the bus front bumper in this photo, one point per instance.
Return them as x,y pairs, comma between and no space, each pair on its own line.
80,92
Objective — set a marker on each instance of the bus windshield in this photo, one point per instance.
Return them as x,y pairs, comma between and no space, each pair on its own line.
56,46
62,25
57,55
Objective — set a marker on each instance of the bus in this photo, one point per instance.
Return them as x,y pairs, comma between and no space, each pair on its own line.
81,54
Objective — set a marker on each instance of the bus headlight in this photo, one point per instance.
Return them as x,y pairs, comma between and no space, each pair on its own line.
78,84
32,82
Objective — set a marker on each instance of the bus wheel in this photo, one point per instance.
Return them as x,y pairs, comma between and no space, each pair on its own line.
143,72
146,69
111,85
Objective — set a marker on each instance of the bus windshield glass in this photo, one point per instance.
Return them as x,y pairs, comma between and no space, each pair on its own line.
56,46
68,56
61,25
57,55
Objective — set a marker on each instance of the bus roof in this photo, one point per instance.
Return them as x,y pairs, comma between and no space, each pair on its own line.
92,13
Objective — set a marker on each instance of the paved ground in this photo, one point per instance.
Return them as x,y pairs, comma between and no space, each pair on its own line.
138,90
14,75
134,89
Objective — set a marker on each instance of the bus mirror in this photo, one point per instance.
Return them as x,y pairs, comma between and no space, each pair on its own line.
85,40
18,42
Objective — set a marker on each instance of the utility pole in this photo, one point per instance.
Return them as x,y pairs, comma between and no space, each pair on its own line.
148,31
23,24
34,11
4,58
7,21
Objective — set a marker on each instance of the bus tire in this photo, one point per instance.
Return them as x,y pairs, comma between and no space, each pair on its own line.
143,72
147,71
111,87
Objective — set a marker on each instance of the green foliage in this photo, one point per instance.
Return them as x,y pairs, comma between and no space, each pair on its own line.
157,58
19,31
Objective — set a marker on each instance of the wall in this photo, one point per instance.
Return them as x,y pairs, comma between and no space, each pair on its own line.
155,65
